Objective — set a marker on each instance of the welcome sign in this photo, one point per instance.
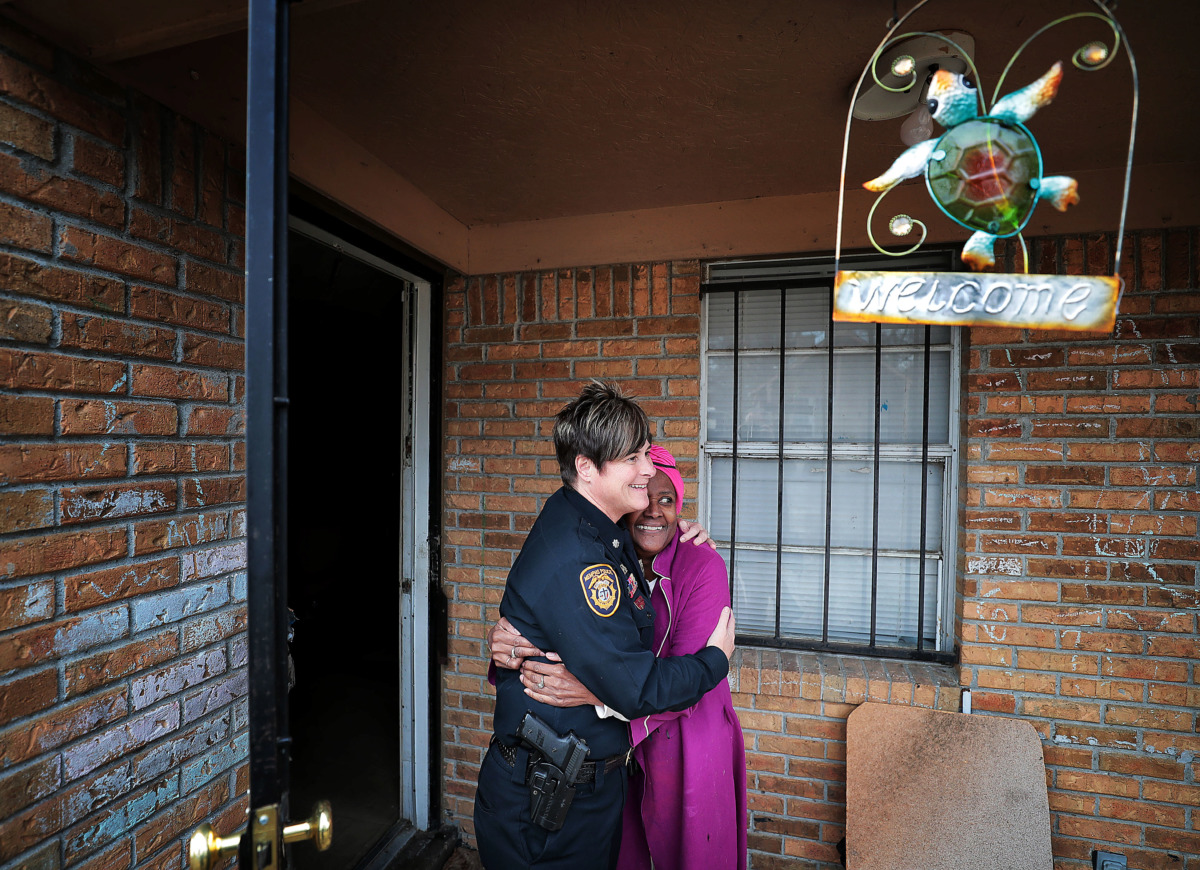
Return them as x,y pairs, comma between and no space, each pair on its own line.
1073,302
984,171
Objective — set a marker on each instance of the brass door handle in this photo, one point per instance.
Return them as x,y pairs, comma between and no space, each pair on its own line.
205,848
318,828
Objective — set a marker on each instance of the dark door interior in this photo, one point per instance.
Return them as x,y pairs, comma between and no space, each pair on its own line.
345,369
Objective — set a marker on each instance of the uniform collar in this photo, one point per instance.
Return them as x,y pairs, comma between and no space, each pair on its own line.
598,518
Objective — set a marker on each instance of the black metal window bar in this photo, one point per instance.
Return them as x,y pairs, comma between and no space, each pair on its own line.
746,547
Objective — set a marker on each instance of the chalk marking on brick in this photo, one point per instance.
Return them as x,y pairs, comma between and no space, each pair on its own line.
119,503
1187,756
994,565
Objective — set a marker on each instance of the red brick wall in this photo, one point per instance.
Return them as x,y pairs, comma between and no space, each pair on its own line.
1079,566
1078,585
122,584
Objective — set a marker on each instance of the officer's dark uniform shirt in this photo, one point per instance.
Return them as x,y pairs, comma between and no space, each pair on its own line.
577,589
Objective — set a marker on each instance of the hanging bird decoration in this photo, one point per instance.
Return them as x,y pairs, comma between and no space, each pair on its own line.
985,172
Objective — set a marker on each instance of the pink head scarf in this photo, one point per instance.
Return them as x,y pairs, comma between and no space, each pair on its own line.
665,462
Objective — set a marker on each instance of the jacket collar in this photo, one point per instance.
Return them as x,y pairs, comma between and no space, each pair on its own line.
663,562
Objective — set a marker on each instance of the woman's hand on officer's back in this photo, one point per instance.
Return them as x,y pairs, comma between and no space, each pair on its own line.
691,530
509,647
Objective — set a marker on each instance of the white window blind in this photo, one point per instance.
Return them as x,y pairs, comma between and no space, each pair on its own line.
828,463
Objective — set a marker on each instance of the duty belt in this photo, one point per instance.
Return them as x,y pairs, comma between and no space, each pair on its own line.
587,772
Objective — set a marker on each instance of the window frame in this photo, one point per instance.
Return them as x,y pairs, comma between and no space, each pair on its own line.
817,272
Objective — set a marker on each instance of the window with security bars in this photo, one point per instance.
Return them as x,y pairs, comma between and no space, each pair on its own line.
828,453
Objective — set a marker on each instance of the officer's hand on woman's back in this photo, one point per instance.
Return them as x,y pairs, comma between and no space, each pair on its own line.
723,634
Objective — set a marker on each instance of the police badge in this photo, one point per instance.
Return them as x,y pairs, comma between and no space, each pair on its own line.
600,589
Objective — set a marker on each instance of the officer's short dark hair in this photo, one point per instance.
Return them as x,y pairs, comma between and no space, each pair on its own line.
603,424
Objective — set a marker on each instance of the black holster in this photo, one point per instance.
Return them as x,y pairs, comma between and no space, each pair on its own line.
554,768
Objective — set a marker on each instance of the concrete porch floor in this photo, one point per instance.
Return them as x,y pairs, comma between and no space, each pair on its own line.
463,859
436,850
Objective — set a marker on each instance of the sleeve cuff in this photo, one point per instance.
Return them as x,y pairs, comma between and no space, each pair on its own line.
714,659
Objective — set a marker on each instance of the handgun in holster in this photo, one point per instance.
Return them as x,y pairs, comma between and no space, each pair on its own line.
552,774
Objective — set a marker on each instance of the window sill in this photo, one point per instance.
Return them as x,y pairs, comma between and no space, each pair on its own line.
843,679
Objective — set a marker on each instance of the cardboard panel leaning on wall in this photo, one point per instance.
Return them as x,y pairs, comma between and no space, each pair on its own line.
122,553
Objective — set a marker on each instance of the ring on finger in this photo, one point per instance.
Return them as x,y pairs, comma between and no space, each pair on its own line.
513,654
542,682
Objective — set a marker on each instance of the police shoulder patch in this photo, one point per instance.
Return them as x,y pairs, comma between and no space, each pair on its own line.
600,589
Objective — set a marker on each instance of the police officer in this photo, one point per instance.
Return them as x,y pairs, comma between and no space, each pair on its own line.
577,589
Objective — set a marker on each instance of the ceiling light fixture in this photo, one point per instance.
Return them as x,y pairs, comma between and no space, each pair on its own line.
911,61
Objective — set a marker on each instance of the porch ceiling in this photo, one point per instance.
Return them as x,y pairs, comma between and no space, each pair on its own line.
550,109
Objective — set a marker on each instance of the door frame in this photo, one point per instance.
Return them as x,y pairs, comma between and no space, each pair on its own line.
415,640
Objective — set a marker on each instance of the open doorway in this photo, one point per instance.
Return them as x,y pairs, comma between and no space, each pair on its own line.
349,369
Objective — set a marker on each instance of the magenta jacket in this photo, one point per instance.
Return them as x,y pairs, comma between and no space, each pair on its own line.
687,806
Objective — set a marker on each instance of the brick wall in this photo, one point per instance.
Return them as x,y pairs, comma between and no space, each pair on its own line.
122,584
1078,584
1079,566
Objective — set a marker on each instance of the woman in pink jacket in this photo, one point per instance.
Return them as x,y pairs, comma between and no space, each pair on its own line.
686,806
